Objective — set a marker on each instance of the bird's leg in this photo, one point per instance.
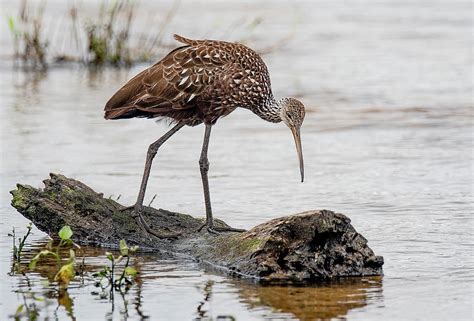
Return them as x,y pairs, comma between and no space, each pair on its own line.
204,166
138,207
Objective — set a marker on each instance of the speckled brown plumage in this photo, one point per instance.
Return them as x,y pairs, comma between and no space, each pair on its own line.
199,82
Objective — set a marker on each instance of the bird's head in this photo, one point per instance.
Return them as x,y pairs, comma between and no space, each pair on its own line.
292,114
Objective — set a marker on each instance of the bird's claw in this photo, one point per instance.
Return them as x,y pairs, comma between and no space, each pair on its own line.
137,214
218,230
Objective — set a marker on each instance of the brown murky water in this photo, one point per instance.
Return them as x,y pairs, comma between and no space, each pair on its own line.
387,141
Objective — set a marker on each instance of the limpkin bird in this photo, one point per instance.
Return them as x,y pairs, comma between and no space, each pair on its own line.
200,82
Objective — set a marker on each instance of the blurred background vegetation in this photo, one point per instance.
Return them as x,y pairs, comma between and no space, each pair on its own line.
99,39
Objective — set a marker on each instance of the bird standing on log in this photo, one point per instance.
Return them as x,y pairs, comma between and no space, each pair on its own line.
201,82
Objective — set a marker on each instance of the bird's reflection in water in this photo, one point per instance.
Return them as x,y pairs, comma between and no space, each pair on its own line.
202,312
318,302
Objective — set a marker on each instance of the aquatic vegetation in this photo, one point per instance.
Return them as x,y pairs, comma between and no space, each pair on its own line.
96,41
108,38
29,309
16,265
65,272
119,276
30,44
36,302
116,277
108,273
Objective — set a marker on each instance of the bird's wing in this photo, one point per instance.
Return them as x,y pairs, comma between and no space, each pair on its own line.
172,83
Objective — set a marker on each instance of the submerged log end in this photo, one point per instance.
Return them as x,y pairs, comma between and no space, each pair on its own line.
301,248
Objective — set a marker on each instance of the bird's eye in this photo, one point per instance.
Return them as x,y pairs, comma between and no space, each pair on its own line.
289,116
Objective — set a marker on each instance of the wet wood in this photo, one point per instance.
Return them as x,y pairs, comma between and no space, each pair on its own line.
300,248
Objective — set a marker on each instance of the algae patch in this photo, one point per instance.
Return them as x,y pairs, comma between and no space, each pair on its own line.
21,196
234,246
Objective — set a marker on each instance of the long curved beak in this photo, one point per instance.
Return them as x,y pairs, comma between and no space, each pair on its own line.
299,150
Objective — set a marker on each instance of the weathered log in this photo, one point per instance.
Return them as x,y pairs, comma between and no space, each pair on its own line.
305,247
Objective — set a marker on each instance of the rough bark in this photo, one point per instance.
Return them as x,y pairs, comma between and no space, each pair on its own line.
301,248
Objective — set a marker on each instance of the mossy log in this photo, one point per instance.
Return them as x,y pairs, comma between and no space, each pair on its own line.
301,248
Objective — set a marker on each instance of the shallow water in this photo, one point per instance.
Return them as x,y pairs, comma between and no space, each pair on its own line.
387,141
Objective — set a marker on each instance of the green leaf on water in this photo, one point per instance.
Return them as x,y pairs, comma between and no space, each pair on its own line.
65,233
33,262
19,310
72,256
131,271
66,272
123,247
109,256
11,24
38,256
65,275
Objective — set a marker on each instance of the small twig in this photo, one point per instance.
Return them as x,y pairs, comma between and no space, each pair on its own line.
23,241
154,196
17,250
122,276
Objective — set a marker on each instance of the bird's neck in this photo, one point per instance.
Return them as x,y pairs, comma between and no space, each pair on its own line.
269,111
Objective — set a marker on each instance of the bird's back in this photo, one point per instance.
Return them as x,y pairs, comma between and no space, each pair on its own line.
198,82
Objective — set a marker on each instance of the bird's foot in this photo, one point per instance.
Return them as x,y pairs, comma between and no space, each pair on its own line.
137,215
227,229
218,230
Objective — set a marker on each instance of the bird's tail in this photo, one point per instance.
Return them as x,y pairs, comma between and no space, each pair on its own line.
184,40
123,113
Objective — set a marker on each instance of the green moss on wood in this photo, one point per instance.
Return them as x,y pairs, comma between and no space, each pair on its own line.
21,195
234,246
125,220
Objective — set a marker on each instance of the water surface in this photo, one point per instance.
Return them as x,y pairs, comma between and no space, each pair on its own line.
387,141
